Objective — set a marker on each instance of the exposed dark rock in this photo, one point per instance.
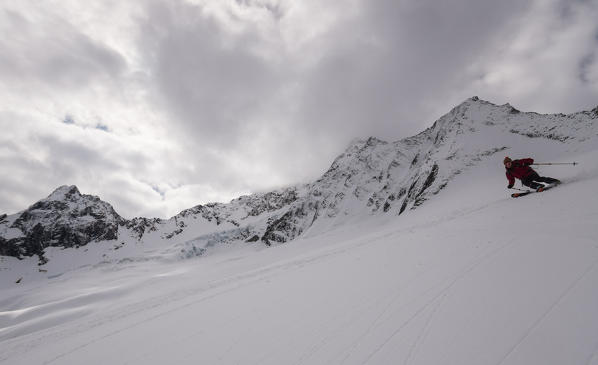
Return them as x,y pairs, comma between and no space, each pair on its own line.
414,161
429,181
61,220
10,248
411,192
386,207
403,206
289,225
552,136
173,233
274,231
271,201
139,226
255,238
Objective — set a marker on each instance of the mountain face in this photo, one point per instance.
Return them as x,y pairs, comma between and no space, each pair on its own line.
370,177
64,219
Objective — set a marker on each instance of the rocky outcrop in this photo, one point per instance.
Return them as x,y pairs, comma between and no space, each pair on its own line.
140,226
65,219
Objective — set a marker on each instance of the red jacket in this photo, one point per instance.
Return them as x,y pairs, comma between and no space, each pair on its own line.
520,169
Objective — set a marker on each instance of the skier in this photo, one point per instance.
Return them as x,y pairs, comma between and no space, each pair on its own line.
520,169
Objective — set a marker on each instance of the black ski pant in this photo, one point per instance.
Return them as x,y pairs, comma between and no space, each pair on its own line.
532,180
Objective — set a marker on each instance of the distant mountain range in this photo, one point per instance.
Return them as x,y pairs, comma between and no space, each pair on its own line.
371,177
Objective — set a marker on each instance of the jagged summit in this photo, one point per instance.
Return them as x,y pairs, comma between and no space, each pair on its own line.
65,218
464,110
64,192
365,142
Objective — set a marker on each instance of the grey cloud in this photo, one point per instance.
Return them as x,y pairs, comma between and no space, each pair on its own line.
19,177
68,119
209,80
134,202
102,127
34,161
69,157
584,65
158,190
274,7
239,108
52,51
566,8
381,69
550,68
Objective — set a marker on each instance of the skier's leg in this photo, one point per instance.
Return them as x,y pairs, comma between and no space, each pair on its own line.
529,182
548,180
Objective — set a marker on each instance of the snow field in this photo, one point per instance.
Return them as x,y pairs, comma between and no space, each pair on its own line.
473,277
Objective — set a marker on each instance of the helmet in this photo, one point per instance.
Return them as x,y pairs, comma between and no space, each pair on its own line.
507,159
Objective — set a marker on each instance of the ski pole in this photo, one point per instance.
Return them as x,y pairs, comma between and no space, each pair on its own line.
519,189
557,163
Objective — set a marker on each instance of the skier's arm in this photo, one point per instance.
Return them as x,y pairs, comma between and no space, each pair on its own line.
526,161
511,180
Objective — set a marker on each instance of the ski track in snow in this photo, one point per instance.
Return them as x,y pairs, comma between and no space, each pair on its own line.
544,315
438,297
221,286
424,331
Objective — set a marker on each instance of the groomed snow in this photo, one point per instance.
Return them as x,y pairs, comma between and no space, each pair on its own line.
473,277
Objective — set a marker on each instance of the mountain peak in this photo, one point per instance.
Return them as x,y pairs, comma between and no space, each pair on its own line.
65,218
474,100
359,145
64,192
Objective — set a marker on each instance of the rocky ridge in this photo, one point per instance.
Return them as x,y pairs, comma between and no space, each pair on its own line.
370,177
66,218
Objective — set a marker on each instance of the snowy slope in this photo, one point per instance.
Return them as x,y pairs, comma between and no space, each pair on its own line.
475,277
470,276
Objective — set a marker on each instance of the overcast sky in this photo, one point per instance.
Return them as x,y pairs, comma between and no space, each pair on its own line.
157,106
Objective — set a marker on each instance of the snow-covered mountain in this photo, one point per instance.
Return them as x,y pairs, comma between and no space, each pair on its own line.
64,219
371,177
409,252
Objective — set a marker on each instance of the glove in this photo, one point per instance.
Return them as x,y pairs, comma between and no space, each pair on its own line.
509,186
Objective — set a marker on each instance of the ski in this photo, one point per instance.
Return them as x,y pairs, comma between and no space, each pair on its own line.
527,192
518,195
